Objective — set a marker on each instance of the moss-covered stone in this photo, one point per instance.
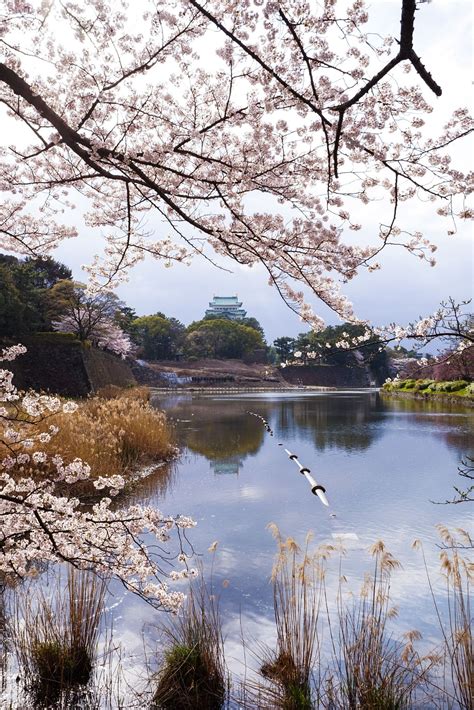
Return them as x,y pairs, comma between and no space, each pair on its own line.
59,363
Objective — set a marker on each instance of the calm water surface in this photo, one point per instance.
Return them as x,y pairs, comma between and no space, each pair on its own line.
384,464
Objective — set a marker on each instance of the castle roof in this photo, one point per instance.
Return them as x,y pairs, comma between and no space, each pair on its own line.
225,301
226,306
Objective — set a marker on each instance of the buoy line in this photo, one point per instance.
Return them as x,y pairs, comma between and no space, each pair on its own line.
316,488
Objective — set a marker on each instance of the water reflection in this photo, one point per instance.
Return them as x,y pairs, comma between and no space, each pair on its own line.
222,430
443,419
332,421
382,462
224,433
228,465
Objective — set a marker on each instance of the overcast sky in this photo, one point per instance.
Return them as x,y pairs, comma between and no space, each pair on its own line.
405,288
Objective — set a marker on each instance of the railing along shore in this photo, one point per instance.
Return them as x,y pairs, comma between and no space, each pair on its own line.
242,388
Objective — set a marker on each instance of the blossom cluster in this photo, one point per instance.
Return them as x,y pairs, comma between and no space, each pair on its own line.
302,113
105,334
41,522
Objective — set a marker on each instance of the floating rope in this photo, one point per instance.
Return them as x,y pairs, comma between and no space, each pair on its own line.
316,488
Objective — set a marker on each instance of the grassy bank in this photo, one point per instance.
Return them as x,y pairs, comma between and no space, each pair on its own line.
431,388
115,432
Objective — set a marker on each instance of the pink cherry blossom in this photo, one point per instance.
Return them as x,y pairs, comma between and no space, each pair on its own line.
42,523
166,124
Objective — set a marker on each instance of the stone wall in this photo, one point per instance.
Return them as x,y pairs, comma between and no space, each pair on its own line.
60,364
106,369
327,375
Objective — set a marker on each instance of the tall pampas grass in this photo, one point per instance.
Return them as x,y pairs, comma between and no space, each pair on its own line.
367,668
456,625
56,640
193,673
287,671
374,670
114,436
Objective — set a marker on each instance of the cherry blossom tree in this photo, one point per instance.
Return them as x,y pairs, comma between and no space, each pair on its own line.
105,334
451,323
164,121
90,317
41,523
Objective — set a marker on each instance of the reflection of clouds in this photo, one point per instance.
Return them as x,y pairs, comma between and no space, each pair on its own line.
253,492
377,491
244,635
409,592
225,562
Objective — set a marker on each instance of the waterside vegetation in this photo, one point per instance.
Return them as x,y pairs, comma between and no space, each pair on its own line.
56,640
341,653
329,653
428,388
117,432
193,672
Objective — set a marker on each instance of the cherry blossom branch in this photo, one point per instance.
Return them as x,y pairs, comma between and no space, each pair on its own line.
406,52
251,53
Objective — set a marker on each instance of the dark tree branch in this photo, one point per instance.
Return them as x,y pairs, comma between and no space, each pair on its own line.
275,75
406,52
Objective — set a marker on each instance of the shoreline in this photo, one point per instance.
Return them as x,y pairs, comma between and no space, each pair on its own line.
441,397
241,388
236,389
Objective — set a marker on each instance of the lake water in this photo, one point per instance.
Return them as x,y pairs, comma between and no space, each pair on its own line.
384,464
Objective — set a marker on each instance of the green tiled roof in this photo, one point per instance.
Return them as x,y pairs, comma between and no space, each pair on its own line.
225,301
228,306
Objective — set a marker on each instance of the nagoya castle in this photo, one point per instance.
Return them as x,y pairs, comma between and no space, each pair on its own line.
226,307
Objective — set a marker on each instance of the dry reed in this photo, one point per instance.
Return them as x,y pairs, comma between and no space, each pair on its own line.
193,674
56,641
113,436
375,671
297,579
140,393
456,624
369,670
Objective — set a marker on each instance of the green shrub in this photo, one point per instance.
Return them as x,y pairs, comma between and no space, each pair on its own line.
189,680
461,387
193,672
456,385
425,384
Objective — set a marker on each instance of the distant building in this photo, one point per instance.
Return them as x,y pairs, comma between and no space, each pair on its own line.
230,465
226,307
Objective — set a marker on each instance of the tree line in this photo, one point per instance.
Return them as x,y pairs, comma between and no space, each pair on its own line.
39,295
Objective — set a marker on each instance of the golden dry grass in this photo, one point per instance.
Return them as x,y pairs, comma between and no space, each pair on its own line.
140,392
114,436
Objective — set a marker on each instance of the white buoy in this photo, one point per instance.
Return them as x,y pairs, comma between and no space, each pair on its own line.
316,488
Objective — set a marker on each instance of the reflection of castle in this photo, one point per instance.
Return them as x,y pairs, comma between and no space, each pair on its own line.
226,307
231,464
